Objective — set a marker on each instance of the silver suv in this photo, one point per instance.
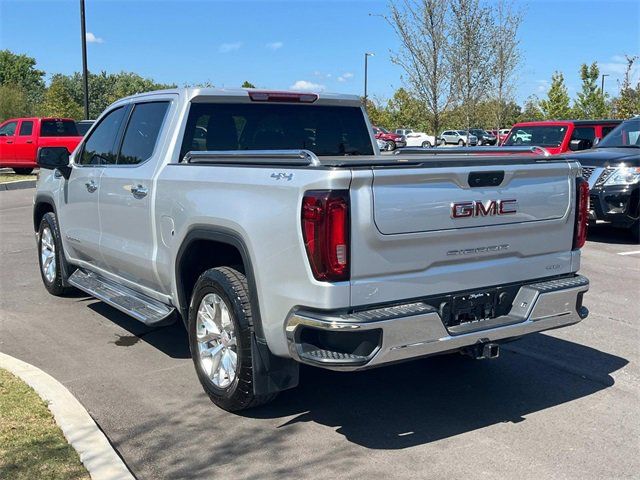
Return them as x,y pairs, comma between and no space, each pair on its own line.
457,137
269,224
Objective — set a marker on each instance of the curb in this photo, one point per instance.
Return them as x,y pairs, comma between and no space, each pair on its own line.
17,185
96,453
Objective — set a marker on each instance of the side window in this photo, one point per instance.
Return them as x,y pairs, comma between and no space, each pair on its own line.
142,132
100,147
584,133
26,128
9,129
606,130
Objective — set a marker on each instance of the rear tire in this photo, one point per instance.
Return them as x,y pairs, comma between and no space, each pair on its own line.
426,144
51,256
23,171
232,387
635,232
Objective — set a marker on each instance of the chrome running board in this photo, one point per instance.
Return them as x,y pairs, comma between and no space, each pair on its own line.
139,306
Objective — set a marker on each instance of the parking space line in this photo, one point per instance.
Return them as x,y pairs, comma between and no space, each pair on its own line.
634,252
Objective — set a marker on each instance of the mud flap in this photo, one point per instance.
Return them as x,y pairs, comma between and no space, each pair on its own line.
271,374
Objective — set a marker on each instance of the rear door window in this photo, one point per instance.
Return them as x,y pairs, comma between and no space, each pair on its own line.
26,128
58,128
606,130
100,148
142,132
584,133
323,129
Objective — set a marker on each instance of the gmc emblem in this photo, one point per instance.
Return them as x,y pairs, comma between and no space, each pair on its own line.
486,209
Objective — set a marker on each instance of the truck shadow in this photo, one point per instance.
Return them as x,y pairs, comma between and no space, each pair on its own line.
171,339
435,398
604,233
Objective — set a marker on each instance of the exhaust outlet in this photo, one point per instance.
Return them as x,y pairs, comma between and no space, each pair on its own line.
481,351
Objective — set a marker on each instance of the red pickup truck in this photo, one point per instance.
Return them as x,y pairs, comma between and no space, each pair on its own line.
559,136
20,139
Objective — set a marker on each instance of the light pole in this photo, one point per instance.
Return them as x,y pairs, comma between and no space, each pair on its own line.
85,75
366,58
602,85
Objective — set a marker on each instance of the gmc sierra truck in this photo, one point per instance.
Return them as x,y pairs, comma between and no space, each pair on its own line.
270,223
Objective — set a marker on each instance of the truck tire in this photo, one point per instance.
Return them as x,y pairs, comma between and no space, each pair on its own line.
50,255
635,232
23,171
220,328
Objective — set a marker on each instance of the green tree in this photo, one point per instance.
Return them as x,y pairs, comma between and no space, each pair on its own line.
628,102
591,102
556,105
13,102
21,71
531,110
59,100
248,84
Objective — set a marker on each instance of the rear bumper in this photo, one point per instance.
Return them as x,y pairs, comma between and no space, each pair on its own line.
415,330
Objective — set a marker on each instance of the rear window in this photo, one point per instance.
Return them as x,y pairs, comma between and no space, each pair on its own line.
324,130
541,136
58,128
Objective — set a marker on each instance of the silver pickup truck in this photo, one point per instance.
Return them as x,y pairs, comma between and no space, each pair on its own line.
270,223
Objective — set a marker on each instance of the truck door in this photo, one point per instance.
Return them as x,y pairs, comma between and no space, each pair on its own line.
25,145
79,215
127,242
7,139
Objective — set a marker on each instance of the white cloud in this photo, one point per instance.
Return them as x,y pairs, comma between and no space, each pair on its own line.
306,85
229,47
543,86
616,69
274,45
345,76
91,38
319,74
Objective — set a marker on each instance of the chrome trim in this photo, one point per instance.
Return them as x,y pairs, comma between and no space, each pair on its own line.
473,150
253,157
536,307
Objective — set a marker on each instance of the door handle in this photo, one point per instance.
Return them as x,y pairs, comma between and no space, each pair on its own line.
91,186
139,191
9,141
29,141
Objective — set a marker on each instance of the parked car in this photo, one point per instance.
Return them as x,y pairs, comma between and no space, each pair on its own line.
320,252
502,135
484,137
556,136
457,137
613,170
417,139
83,126
393,139
20,139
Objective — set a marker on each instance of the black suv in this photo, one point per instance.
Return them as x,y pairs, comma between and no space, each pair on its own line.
484,137
612,168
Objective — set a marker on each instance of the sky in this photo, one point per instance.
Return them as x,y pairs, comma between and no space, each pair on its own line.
300,44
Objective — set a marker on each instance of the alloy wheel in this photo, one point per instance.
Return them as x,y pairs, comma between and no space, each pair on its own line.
48,255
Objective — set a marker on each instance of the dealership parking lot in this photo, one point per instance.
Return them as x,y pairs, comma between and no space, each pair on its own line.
565,404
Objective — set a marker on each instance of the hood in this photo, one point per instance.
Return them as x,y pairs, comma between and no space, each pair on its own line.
605,157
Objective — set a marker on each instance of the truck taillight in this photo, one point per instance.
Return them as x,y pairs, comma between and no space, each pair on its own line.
325,229
582,213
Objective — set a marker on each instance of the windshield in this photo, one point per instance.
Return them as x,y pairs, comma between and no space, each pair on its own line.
383,130
58,128
462,132
325,130
539,135
624,135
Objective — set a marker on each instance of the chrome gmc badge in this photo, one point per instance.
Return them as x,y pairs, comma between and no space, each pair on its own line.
489,208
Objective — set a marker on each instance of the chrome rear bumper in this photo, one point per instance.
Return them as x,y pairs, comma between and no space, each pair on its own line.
416,329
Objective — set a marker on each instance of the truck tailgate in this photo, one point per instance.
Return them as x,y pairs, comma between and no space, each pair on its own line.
419,231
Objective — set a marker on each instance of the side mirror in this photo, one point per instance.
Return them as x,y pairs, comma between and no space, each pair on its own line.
52,158
580,144
596,141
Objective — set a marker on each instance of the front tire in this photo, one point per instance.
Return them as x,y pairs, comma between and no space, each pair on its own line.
461,143
23,171
51,256
391,146
220,328
635,232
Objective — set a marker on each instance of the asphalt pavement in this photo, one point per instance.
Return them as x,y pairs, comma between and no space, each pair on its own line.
562,405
